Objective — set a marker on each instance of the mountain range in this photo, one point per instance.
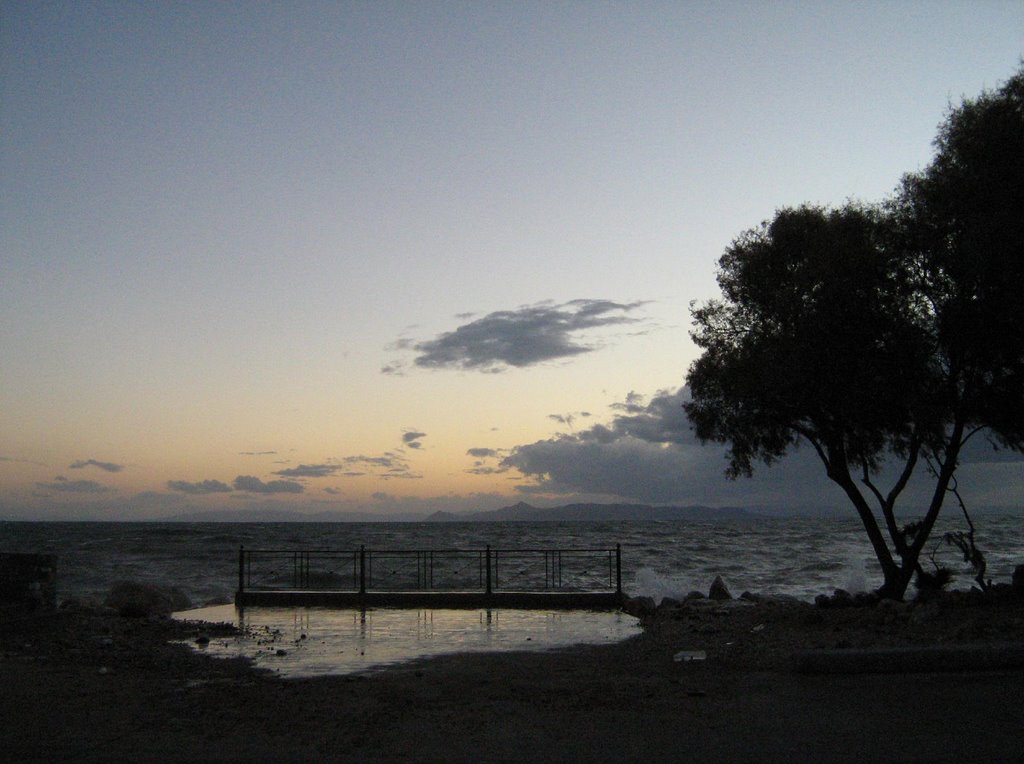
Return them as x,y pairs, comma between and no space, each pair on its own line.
521,512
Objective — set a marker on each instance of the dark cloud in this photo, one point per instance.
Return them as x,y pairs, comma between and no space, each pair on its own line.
482,468
486,462
332,491
523,337
63,485
106,466
412,438
386,466
252,484
386,461
256,453
568,419
309,471
647,452
396,369
200,488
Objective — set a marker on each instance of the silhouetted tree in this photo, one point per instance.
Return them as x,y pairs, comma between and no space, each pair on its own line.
888,334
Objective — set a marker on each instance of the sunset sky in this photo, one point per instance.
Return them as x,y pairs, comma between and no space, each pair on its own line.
414,256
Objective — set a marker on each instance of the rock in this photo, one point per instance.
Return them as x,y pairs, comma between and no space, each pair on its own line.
202,639
669,603
133,599
1018,579
865,599
839,598
894,606
179,599
640,607
751,597
719,591
694,595
842,598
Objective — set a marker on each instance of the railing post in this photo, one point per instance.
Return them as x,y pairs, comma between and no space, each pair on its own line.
618,569
488,566
362,569
241,568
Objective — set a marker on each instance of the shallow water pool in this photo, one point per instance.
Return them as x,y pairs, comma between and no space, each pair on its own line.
305,642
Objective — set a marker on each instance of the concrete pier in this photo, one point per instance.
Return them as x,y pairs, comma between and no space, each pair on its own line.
436,599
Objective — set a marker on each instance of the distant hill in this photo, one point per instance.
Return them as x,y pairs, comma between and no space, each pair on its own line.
523,512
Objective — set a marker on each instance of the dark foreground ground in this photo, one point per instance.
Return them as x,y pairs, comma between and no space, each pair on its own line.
87,686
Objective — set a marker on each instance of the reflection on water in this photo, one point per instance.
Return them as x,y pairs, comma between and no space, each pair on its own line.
303,642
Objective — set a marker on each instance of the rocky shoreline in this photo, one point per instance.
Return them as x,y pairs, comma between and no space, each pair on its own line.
90,684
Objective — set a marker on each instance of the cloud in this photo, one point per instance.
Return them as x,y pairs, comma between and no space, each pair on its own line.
481,468
647,452
332,491
256,453
486,461
252,484
523,337
63,485
106,466
20,461
395,369
386,466
200,488
412,438
309,471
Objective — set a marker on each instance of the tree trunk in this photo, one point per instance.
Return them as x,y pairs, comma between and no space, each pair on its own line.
891,572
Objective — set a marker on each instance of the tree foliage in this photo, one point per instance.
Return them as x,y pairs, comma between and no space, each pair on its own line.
888,333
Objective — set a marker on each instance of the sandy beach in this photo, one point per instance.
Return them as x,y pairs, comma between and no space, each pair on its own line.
85,685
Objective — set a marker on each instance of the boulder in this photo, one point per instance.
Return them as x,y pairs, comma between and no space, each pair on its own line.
695,595
669,603
842,598
1018,579
866,599
639,607
719,591
134,599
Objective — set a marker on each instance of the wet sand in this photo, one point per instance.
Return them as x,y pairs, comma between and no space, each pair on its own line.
89,686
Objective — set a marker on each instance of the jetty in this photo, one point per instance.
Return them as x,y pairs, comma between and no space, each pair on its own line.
588,579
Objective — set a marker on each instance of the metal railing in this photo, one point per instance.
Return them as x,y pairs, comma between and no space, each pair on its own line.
390,570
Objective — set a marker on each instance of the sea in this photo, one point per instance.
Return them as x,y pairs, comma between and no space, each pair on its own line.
802,557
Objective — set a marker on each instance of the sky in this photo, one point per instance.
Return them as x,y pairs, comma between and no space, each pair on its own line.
401,257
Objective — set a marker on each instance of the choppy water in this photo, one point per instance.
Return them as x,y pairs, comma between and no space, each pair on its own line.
801,557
